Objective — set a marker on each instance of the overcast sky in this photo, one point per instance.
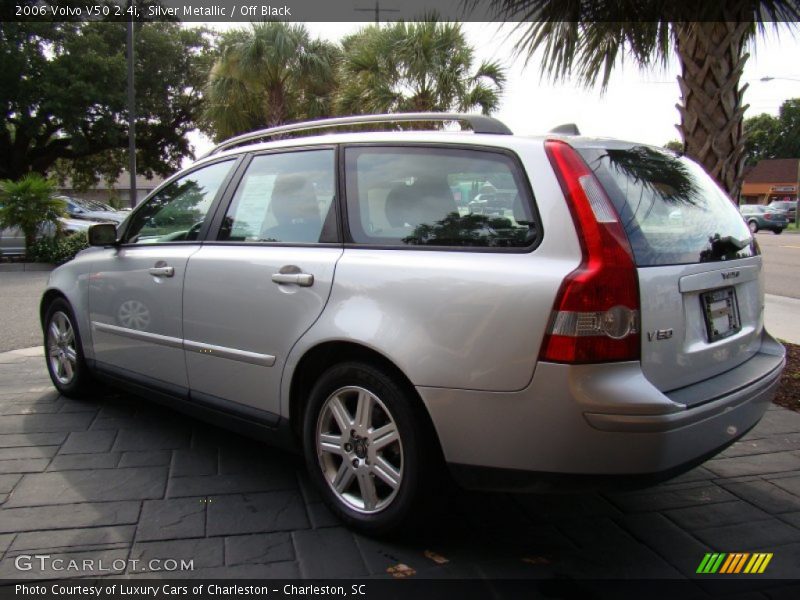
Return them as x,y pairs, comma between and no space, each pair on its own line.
638,105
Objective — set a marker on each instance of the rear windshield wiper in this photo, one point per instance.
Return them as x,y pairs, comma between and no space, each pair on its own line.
723,248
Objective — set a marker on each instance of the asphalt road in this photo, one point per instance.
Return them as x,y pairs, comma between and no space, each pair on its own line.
20,291
781,262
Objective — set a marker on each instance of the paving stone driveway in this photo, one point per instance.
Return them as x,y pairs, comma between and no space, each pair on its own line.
118,478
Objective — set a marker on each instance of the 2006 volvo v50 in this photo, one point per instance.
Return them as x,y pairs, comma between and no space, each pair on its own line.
399,300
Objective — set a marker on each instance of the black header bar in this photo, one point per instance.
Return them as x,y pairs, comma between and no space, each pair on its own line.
394,10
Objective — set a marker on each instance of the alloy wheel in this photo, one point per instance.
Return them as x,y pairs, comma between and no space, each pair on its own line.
61,350
359,449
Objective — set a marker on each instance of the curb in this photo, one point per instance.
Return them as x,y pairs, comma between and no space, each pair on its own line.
780,317
18,356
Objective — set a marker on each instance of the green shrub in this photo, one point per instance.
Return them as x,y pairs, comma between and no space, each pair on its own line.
29,203
58,249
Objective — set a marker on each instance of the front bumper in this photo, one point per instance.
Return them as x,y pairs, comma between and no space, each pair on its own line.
603,419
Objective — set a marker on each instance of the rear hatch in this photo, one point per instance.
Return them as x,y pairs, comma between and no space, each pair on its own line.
697,263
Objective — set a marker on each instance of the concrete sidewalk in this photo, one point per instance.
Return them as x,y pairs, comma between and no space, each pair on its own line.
116,477
782,317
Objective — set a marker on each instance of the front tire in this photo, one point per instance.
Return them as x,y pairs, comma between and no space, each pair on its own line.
64,351
778,231
753,226
366,448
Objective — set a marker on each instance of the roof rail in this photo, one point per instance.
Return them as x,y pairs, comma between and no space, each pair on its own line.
478,123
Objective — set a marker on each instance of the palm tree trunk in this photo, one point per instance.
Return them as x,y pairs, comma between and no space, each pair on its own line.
276,107
712,57
30,240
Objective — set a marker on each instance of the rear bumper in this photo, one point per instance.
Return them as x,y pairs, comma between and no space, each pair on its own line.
601,420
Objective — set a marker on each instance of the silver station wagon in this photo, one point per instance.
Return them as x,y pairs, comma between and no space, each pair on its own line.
515,309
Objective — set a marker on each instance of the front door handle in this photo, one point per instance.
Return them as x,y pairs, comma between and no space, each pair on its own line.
301,279
162,271
293,274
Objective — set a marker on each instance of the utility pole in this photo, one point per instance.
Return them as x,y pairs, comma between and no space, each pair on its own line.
131,113
377,10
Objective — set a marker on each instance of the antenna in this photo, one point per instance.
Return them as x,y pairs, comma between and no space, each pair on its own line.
566,129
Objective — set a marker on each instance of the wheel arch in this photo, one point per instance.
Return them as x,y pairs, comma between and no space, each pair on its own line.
326,354
47,299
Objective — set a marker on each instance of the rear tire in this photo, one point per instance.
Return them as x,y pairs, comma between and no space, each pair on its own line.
778,231
367,449
753,226
64,351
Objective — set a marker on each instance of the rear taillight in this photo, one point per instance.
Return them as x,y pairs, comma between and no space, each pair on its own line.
596,313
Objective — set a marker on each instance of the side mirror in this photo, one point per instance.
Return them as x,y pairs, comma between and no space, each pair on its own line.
102,234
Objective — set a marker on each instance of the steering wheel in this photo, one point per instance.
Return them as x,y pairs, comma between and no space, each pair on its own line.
194,230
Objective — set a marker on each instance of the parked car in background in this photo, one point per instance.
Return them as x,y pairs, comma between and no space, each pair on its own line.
787,206
759,216
81,215
12,240
492,203
91,210
328,292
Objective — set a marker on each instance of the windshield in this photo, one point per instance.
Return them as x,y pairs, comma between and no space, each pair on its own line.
91,205
84,204
672,211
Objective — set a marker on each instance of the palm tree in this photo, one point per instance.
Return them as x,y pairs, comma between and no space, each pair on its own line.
29,203
423,66
267,75
587,39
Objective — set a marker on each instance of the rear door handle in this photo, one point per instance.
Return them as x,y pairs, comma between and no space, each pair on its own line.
301,279
162,271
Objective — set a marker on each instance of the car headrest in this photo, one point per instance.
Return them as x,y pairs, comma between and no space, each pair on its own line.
398,204
432,200
293,200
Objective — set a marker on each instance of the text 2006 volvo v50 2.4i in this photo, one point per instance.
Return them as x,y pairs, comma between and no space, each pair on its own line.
396,301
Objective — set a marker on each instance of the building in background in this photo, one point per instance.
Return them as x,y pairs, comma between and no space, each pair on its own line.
771,179
117,193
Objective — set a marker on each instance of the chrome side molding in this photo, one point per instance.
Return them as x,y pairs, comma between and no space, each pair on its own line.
253,358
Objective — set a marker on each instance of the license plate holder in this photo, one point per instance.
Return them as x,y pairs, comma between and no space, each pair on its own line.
721,313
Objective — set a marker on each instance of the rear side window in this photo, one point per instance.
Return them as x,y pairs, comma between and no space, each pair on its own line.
672,211
426,196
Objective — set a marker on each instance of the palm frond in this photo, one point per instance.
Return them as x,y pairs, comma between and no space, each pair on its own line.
414,66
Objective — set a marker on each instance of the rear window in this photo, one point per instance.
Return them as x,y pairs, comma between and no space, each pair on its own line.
783,205
436,196
672,211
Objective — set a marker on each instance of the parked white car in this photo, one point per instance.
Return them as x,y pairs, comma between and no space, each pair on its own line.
12,240
93,211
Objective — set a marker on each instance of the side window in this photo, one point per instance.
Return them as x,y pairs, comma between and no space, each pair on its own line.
418,196
176,213
285,197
